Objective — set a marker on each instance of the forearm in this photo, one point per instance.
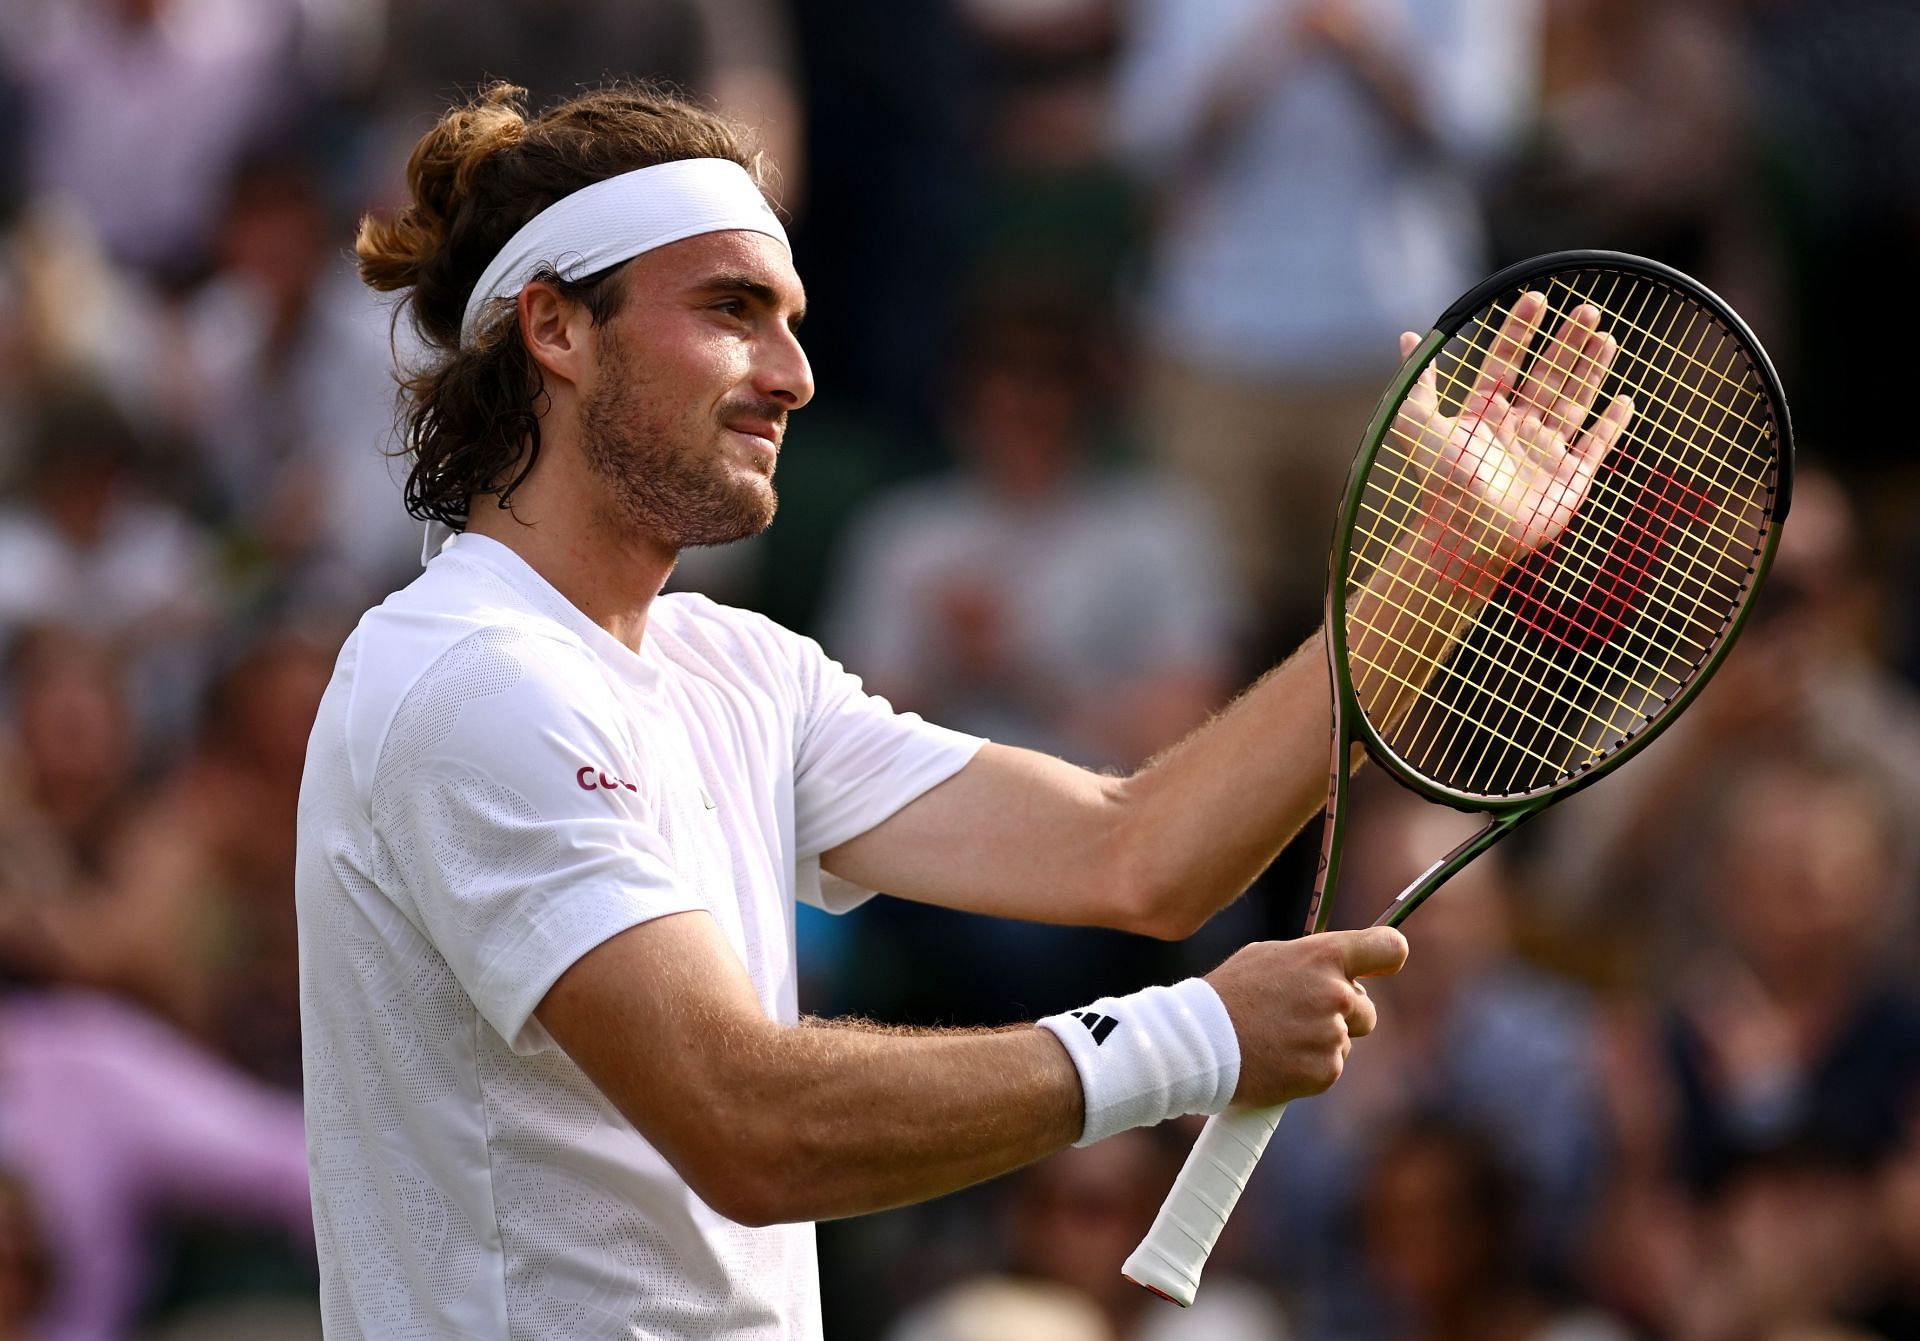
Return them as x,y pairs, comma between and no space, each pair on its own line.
847,1118
770,1122
1202,820
1205,819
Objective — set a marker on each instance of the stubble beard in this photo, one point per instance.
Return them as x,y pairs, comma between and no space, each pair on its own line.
682,493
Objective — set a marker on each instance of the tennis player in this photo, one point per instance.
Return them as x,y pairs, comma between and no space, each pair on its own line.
554,823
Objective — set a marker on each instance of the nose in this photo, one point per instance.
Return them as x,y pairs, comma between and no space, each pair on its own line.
783,374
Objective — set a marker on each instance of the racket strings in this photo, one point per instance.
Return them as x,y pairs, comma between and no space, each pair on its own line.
1650,406
1670,592
1738,386
1531,722
1585,639
1669,588
1662,362
1428,625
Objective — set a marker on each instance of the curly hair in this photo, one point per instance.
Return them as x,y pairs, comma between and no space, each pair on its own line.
471,414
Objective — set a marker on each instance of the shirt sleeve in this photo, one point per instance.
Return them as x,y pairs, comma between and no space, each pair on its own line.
856,762
513,816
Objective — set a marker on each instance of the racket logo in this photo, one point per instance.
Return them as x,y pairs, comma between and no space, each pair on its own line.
1100,1026
1620,580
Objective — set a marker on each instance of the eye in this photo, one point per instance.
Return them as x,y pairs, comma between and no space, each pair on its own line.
733,307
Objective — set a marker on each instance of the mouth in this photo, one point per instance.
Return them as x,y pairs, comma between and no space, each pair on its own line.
761,434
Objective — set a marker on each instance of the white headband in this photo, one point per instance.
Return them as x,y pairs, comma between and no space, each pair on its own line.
617,219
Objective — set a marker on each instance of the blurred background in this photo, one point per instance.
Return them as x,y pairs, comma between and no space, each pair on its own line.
1103,292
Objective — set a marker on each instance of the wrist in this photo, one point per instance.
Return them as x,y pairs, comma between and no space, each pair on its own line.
1161,1053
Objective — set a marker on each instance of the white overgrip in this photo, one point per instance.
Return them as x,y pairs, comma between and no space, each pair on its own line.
1170,1258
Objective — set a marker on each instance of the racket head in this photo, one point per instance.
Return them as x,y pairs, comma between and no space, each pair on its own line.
1593,644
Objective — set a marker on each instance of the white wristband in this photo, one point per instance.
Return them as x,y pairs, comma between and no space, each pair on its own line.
1158,1054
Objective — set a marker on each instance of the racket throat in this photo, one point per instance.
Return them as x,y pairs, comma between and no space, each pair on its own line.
1443,870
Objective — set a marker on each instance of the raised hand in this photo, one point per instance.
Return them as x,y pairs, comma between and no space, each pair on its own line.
1506,474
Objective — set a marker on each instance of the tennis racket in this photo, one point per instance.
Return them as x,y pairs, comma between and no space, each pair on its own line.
1549,540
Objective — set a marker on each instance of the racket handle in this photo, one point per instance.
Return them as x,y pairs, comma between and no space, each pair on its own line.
1170,1258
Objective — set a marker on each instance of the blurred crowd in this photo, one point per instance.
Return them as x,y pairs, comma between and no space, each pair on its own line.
1103,294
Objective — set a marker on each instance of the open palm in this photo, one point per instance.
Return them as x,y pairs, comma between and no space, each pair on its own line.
1507,473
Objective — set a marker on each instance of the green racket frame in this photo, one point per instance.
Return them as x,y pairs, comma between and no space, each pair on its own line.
1351,724
1173,1254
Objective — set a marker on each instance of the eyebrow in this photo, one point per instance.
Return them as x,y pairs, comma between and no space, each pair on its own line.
758,290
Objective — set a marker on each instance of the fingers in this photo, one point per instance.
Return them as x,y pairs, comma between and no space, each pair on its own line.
1583,383
1365,954
1363,1017
1552,371
1417,411
1596,442
1408,343
1501,369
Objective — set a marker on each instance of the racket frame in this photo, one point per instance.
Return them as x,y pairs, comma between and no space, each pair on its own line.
1169,1260
1350,723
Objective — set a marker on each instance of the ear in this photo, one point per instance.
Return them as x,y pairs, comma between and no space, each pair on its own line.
556,331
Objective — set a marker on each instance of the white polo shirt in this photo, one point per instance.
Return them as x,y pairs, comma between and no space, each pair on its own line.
495,785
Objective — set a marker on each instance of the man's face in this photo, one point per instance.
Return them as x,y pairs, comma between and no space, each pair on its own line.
686,405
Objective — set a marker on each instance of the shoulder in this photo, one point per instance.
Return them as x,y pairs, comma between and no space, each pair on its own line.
437,654
724,641
775,675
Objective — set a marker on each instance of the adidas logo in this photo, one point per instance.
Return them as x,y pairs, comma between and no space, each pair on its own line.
1097,1024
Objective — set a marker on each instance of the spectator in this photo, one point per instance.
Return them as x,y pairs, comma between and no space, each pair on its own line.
1075,1217
1624,862
87,542
1071,1220
1035,596
737,52
1315,164
1444,1238
71,771
107,1118
285,387
1004,1310
138,109
1031,593
1644,143
1778,1073
179,892
1482,1041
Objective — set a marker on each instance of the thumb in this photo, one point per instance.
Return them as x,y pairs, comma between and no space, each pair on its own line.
1408,343
1376,950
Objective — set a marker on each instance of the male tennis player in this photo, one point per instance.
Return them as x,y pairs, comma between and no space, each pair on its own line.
554,823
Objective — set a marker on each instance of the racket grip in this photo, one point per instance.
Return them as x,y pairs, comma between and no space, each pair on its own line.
1170,1258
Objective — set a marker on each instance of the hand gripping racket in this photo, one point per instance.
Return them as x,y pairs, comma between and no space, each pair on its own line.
1550,538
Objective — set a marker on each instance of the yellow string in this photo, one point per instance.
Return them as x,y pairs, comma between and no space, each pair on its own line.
1585,552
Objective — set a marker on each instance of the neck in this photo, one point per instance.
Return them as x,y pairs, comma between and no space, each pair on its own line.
561,526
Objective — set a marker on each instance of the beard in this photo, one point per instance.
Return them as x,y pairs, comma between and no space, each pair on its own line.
665,477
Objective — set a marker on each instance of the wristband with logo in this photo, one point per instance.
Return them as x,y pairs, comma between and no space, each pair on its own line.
1160,1053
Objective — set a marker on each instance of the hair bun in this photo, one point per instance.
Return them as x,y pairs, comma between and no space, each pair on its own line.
396,250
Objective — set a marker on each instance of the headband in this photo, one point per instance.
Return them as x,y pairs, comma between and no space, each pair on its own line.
616,219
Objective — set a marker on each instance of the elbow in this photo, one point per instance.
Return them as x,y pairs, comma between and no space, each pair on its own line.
749,1195
1144,894
1150,903
747,1186
750,1170
1169,919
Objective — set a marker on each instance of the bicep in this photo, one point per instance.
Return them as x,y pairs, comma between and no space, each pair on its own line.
1014,833
657,1017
